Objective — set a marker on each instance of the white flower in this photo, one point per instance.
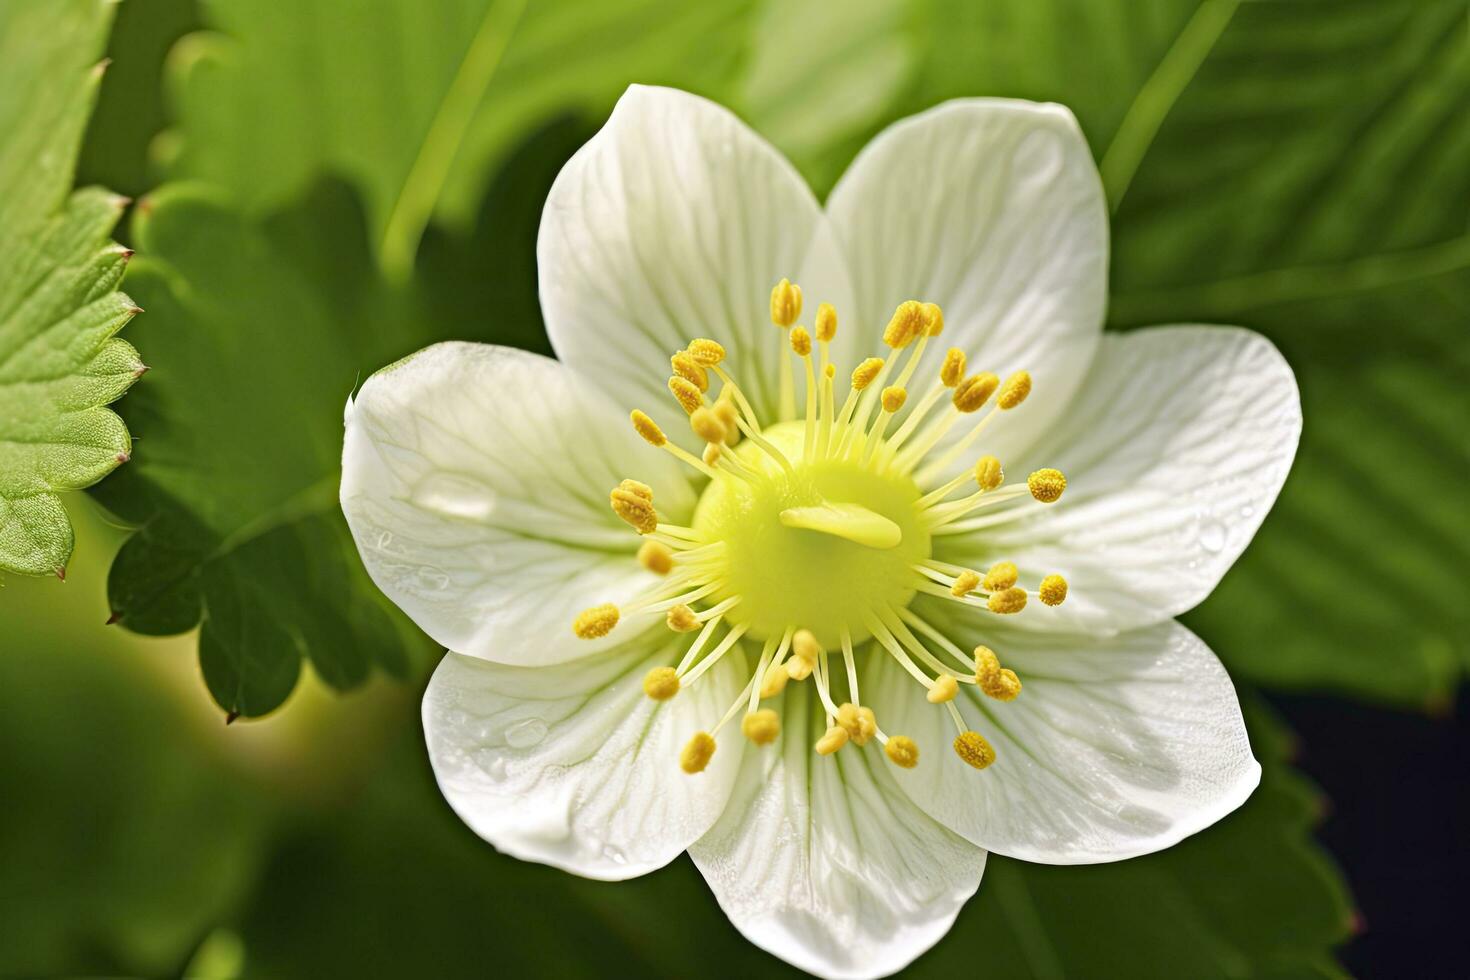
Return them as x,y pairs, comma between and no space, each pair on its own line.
475,480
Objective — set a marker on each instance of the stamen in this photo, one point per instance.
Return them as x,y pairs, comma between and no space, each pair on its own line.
988,473
707,425
697,753
785,303
655,557
1002,576
761,727
952,371
909,320
635,509
1014,391
686,367
706,353
727,413
681,619
598,621
804,652
973,749
1008,602
686,393
864,373
801,344
736,632
902,751
1047,485
826,322
661,683
996,681
945,688
859,722
971,394
964,584
832,740
1053,590
648,428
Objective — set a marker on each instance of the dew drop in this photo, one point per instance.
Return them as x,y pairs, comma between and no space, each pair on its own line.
431,579
1247,511
457,496
1212,537
492,764
613,854
385,538
526,733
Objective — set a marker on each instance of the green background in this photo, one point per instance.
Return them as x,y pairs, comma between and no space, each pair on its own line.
326,185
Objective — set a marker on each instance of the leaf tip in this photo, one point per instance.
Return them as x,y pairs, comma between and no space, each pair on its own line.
61,572
1357,925
115,617
134,310
123,457
100,68
141,370
231,715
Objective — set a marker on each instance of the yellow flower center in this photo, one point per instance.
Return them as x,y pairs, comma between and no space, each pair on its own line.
814,534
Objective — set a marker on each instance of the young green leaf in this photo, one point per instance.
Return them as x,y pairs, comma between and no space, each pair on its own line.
60,363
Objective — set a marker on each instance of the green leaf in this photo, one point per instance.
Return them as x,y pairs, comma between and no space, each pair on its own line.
416,110
60,362
262,329
1332,217
1249,897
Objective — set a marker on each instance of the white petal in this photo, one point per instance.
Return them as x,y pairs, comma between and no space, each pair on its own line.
1115,747
673,223
825,863
573,765
993,209
1174,452
475,481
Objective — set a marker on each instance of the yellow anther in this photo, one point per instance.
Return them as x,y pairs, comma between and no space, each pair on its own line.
988,473
933,320
826,321
707,425
655,557
661,683
634,508
804,652
908,321
638,489
975,391
944,689
1046,485
681,619
860,723
785,303
647,428
706,353
761,727
1014,391
775,681
697,752
687,393
801,342
595,622
952,371
902,752
830,370
712,453
727,413
832,740
893,398
1053,590
686,367
1002,576
996,681
864,373
964,584
1008,601
972,747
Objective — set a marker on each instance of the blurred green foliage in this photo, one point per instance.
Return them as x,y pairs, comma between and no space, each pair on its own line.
343,183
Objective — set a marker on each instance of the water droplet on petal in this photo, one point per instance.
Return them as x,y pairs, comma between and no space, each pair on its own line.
1212,537
526,733
431,579
1247,511
457,496
614,855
